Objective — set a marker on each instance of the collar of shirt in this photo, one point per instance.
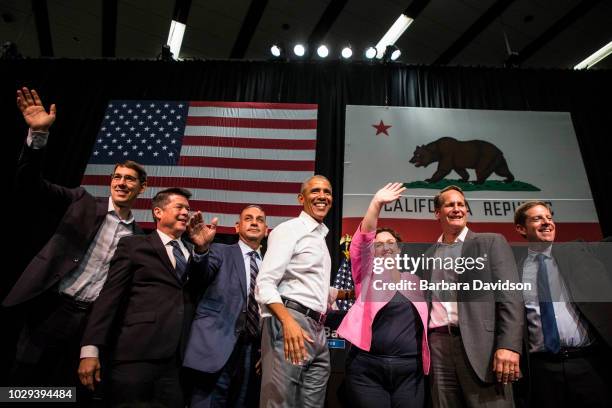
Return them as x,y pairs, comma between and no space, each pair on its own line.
246,249
111,210
531,254
312,224
461,236
166,239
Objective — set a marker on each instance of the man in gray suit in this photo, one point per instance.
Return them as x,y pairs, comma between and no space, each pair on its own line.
475,336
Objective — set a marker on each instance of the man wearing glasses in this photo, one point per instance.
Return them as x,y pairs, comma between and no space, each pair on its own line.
59,285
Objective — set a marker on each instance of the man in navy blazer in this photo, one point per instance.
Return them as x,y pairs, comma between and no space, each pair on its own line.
61,282
223,346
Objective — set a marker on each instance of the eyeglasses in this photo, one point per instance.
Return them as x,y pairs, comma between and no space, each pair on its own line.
128,179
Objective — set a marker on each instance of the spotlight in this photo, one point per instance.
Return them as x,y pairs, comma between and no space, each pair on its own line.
370,53
347,52
323,51
392,53
276,50
299,50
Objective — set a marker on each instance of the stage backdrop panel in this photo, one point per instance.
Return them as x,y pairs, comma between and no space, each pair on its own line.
228,154
517,156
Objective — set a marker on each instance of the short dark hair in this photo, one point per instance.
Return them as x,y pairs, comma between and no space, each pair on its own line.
305,182
252,206
438,198
137,167
520,215
391,231
162,198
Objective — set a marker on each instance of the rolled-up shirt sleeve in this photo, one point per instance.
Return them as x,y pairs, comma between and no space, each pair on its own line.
281,245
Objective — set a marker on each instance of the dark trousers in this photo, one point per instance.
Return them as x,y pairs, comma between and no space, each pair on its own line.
236,385
151,383
582,381
381,382
48,350
454,384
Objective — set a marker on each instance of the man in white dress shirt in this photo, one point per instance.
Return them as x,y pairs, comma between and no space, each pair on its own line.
293,289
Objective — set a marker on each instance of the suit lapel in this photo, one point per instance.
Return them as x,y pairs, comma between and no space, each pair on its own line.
160,250
467,248
238,259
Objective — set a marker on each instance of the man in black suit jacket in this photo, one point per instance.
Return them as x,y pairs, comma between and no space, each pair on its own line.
223,346
569,338
142,316
60,283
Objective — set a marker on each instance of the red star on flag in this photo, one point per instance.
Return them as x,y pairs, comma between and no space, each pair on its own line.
381,128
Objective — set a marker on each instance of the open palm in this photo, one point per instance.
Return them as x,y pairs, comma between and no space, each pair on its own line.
389,193
33,111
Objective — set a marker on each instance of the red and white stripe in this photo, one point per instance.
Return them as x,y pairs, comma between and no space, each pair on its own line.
233,154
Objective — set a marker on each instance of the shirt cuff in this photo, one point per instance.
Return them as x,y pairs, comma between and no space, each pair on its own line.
36,139
90,351
198,257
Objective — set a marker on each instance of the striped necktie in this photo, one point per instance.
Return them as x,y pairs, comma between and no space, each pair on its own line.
181,262
252,316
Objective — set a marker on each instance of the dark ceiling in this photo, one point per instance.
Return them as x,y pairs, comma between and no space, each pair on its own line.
538,33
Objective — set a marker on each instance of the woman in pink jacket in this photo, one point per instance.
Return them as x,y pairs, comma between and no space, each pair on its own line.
389,353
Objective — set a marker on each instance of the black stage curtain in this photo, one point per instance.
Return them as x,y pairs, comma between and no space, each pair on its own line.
82,88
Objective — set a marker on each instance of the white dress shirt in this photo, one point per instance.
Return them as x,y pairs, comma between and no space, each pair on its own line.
297,265
445,313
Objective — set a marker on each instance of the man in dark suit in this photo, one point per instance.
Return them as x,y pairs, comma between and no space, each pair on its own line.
223,345
59,285
141,318
569,326
475,336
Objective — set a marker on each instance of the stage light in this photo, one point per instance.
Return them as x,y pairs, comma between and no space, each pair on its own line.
391,36
323,51
392,53
370,53
299,50
276,50
175,37
347,52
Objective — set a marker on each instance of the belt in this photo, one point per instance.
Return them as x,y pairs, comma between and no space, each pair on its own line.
451,330
566,353
313,314
79,304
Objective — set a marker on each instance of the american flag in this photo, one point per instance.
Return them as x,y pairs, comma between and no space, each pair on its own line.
344,276
228,154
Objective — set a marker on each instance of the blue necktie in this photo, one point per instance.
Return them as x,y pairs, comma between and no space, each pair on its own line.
181,262
547,311
252,316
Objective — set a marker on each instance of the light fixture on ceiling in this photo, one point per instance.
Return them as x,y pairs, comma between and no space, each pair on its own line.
175,37
276,50
392,53
393,34
347,52
323,51
597,56
299,50
370,53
